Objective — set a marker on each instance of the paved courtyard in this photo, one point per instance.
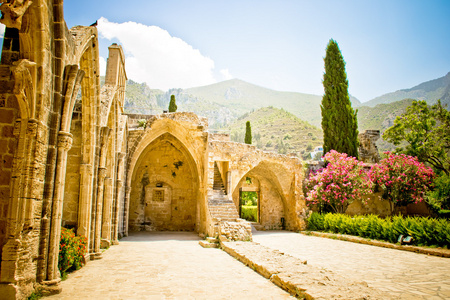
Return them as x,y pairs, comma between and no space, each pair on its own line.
171,265
403,274
167,265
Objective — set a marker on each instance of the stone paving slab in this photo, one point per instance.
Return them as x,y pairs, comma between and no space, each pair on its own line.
402,274
166,265
297,277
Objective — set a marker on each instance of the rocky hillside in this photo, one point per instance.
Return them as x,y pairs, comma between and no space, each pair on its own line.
381,117
430,91
277,130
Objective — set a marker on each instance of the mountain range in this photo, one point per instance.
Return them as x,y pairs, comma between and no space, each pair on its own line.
430,91
227,102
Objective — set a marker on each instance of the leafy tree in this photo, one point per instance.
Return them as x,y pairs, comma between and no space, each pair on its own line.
339,122
339,184
402,178
248,133
426,131
172,105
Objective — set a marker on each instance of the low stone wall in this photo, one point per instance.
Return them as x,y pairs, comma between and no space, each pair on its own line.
235,231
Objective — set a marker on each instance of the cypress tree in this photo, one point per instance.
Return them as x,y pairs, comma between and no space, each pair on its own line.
172,105
339,122
248,133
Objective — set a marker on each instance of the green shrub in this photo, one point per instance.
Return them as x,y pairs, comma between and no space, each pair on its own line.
71,251
424,230
249,213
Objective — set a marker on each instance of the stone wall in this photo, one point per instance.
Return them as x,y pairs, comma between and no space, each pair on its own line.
163,192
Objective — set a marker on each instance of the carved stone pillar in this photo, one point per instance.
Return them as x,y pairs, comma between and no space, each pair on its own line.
85,200
98,216
119,195
107,210
63,145
126,210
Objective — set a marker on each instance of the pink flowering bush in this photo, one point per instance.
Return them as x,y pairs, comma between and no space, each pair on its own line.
402,178
339,184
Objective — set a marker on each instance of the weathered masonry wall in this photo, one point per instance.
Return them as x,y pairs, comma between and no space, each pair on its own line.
163,192
278,180
165,174
62,143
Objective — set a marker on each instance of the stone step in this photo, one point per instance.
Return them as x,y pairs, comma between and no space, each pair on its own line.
211,239
206,244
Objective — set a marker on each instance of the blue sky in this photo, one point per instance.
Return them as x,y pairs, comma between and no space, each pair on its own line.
387,44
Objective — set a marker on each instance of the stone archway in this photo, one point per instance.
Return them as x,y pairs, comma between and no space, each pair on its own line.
271,202
164,188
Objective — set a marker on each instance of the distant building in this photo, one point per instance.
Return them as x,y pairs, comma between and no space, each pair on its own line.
317,153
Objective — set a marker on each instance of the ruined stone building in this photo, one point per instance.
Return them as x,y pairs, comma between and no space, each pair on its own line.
70,156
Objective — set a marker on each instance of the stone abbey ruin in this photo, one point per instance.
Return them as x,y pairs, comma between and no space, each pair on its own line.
70,156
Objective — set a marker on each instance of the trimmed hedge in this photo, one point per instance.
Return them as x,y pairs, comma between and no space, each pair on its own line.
249,213
425,231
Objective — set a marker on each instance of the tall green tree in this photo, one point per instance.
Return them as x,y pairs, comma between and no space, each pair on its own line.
248,133
423,131
339,122
172,105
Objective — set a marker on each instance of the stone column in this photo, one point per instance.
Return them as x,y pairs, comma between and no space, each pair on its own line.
85,200
229,184
98,217
119,195
107,208
126,209
63,146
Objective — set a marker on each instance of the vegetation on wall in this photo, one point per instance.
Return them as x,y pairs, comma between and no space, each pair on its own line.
339,122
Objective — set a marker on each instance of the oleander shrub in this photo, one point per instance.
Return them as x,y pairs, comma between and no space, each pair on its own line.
343,181
402,178
71,251
425,231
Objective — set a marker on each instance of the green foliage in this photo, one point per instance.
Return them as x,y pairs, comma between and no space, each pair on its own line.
249,213
249,198
425,231
440,196
35,296
248,133
172,105
142,123
71,251
426,130
339,122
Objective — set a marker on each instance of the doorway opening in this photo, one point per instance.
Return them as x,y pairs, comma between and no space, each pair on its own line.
249,205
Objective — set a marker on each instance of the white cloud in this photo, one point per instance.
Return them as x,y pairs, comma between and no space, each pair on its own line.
226,74
2,30
155,57
102,62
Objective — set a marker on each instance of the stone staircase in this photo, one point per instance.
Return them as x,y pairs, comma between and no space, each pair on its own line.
220,206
